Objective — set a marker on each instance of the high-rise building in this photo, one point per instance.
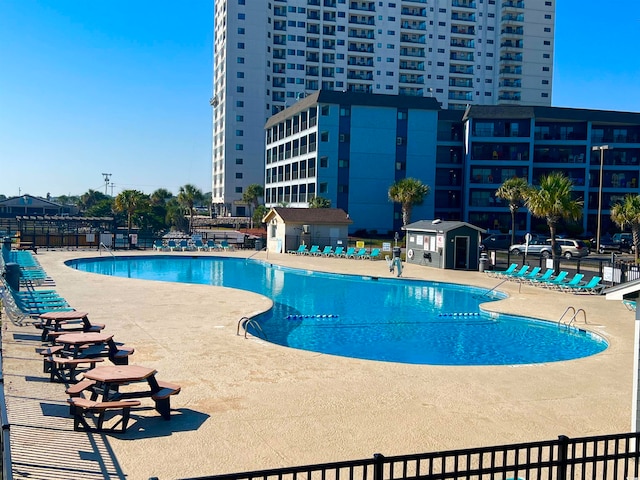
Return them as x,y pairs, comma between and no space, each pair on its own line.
268,55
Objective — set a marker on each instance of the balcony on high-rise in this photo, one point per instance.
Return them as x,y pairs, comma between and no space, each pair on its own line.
366,6
360,47
462,43
362,20
412,38
413,25
463,3
361,33
414,11
461,56
463,17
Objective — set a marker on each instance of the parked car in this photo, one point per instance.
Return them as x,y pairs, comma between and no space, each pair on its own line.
613,244
497,241
572,248
535,247
567,247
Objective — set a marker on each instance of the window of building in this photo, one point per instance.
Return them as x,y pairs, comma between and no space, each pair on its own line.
239,146
241,16
324,162
240,74
240,133
239,118
545,69
238,174
545,82
546,55
239,103
547,17
545,95
240,45
238,189
345,111
239,161
324,136
324,111
324,187
547,30
240,31
344,137
240,60
343,163
240,89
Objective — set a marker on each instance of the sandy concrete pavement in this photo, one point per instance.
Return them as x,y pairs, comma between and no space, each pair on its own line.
247,404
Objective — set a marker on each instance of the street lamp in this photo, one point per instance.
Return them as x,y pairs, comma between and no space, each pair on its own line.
602,148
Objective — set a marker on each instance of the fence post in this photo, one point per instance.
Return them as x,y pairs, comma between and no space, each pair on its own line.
378,470
563,447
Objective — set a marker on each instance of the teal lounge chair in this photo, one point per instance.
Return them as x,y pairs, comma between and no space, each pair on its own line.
575,281
199,245
349,253
593,286
337,253
374,255
172,245
225,245
325,252
159,246
533,273
315,249
630,304
359,254
211,245
520,273
555,281
499,273
546,276
300,251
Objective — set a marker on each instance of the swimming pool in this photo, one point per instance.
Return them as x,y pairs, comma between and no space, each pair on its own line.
392,320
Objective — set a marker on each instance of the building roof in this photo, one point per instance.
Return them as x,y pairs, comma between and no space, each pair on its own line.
623,291
502,112
439,226
351,98
315,216
28,200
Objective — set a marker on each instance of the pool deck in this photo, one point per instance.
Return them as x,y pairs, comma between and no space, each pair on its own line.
247,404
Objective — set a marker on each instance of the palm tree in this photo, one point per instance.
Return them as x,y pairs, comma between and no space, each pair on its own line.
513,190
319,202
408,192
130,201
252,196
554,201
628,213
188,196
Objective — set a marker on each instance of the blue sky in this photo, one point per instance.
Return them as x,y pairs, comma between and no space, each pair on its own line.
123,87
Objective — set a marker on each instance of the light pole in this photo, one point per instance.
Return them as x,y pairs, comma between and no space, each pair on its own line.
602,148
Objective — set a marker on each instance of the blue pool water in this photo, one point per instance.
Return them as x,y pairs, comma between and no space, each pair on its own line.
365,317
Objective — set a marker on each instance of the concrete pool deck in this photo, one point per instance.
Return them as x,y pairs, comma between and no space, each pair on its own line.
247,404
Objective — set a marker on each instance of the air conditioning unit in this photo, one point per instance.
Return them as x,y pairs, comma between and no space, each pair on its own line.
306,228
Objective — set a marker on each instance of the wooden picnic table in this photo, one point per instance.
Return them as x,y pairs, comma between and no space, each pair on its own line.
55,320
109,378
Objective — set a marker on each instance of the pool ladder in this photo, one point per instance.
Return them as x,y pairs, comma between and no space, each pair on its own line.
567,323
245,322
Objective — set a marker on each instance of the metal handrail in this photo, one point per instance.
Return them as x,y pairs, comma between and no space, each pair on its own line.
246,322
102,245
573,317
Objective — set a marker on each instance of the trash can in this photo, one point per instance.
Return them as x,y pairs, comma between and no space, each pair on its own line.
259,244
482,264
397,252
6,244
12,275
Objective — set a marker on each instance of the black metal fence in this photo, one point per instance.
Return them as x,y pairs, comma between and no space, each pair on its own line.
588,458
613,269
